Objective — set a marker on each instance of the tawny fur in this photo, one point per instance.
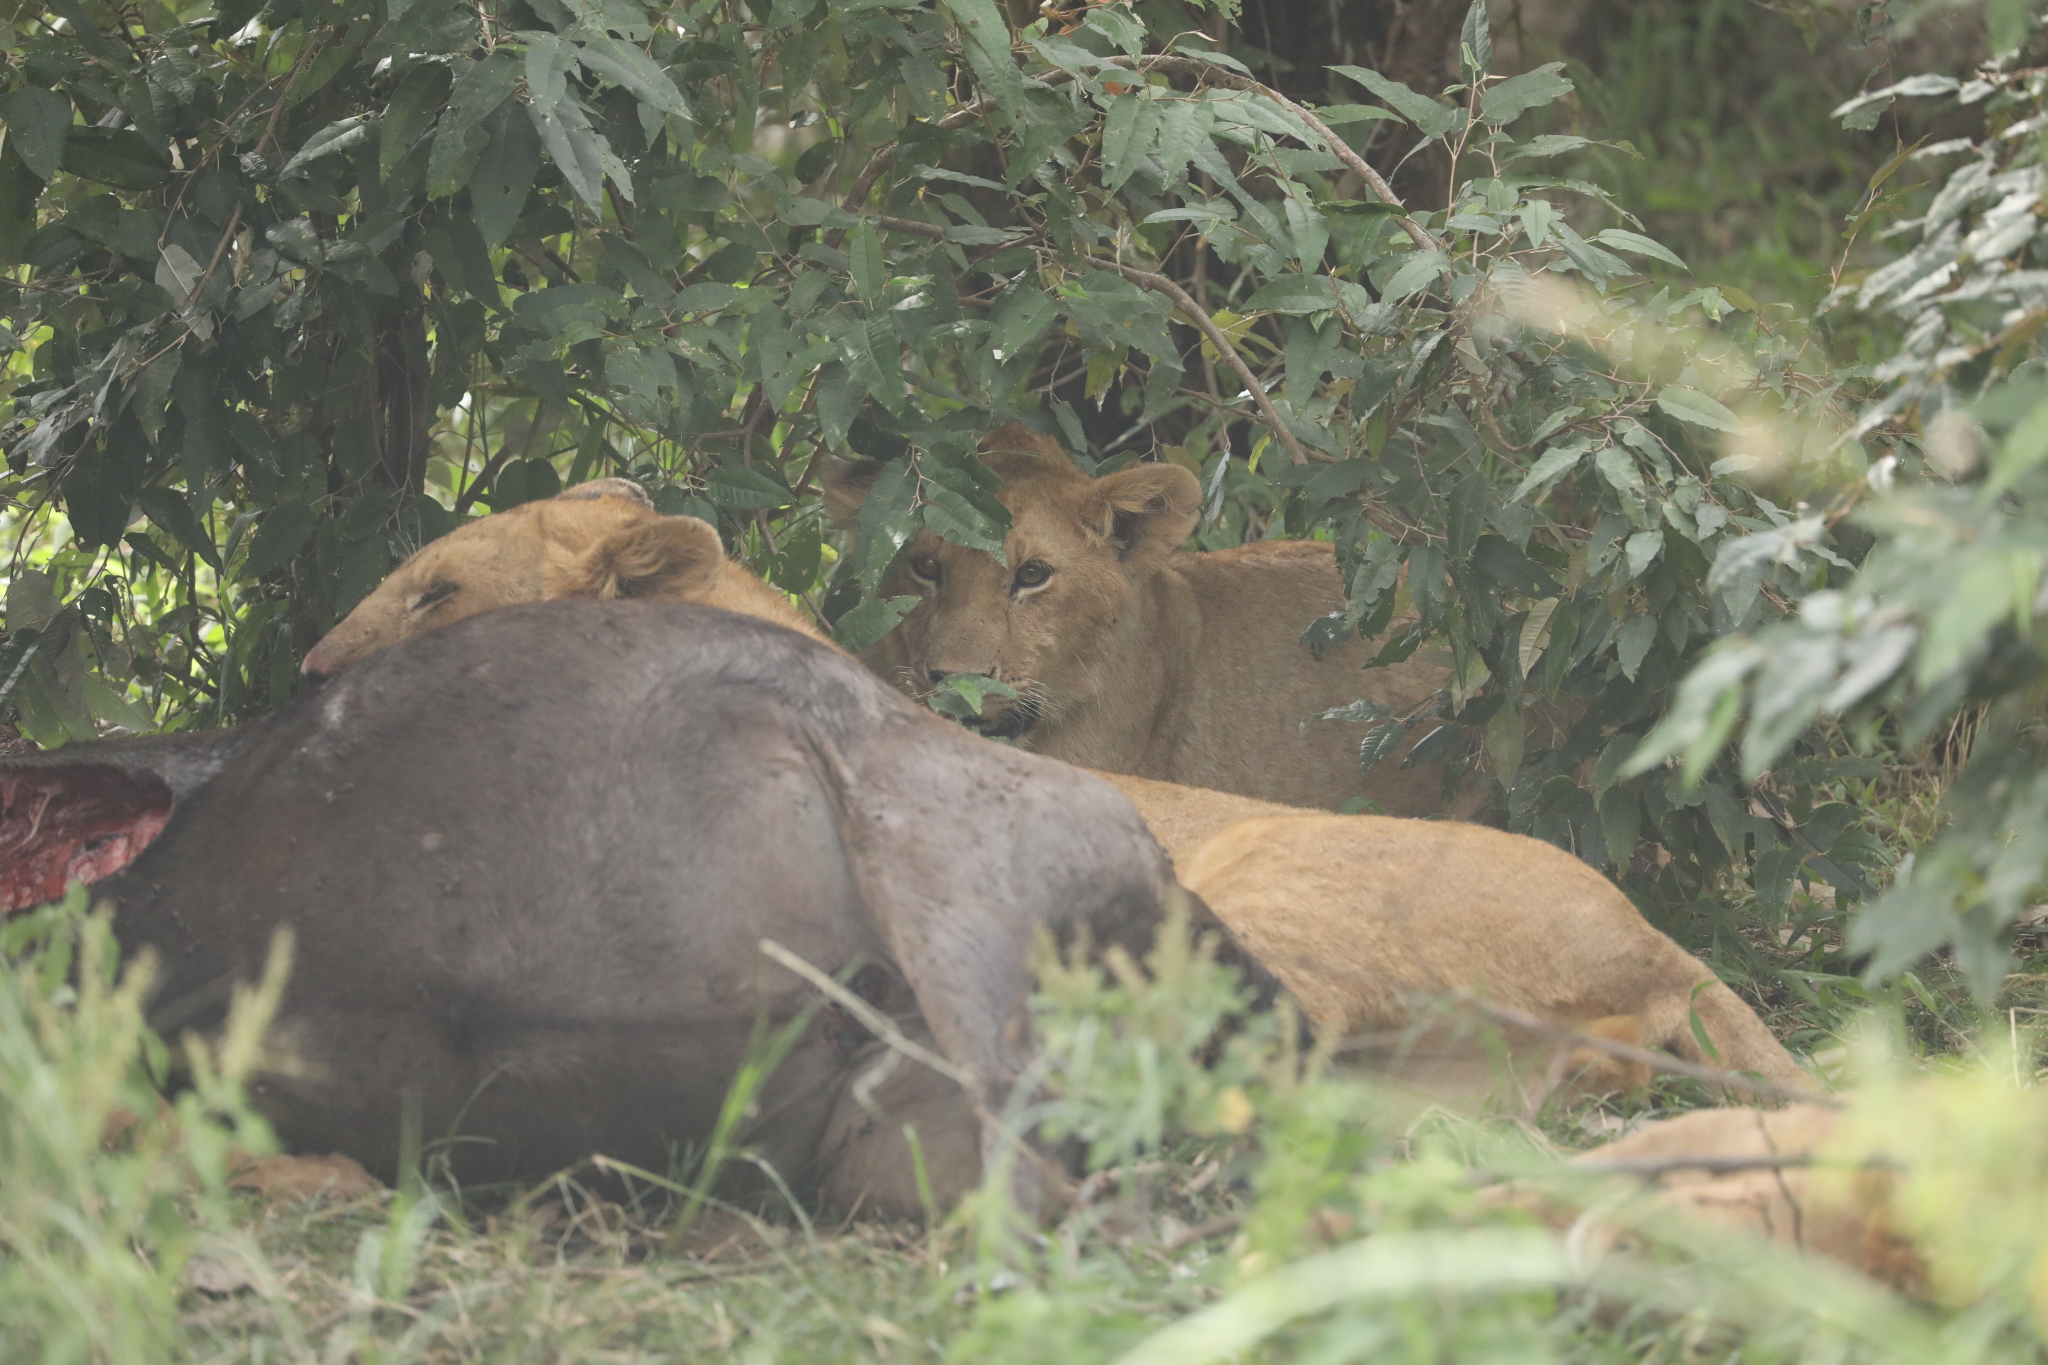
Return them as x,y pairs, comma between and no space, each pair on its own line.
607,543
1363,916
1360,916
1183,667
1841,1210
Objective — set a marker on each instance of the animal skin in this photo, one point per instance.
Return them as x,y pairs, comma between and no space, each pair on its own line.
528,860
1357,915
1134,657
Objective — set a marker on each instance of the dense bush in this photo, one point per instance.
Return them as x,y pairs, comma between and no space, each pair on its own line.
300,283
1940,622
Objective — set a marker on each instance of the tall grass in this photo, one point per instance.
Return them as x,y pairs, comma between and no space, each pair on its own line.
1249,1203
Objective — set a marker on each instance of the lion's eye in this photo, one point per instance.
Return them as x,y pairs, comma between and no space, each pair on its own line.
925,567
435,595
1033,572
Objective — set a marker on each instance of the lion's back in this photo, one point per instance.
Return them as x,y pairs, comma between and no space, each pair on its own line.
1253,690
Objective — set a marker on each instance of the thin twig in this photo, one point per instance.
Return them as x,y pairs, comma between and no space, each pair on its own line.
857,193
883,1027
1188,66
864,183
872,1019
1295,450
277,110
1650,1057
227,234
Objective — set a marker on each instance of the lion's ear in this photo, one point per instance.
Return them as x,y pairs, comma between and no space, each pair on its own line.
1148,508
607,488
672,559
846,484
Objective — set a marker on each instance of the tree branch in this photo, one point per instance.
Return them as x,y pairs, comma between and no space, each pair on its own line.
1185,301
864,183
1650,1057
1188,66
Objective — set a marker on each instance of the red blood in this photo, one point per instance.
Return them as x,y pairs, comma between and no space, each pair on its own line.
66,824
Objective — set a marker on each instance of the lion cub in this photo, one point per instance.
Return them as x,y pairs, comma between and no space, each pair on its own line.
1361,917
1133,655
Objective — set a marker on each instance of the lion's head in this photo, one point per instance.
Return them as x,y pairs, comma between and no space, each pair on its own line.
1079,554
599,539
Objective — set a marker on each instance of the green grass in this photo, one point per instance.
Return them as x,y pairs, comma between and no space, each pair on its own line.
1276,1181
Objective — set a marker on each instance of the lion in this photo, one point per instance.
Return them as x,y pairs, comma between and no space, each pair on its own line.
1794,1176
548,549
1133,656
1358,916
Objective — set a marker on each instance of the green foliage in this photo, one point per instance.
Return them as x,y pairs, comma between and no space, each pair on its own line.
1363,1232
102,1199
299,282
1941,617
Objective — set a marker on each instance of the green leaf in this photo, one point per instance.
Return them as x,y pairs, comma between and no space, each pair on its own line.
870,621
633,69
636,376
1624,240
1020,318
956,510
168,508
972,234
1632,644
1293,294
888,517
1515,96
577,151
1643,549
870,268
1618,467
38,123
688,193
423,90
504,172
482,88
549,61
1379,742
1508,566
858,348
2007,21
280,533
119,157
2025,446
1554,465
1690,405
1183,126
1432,118
1982,595
986,39
838,404
744,489
1549,144
1621,817
339,136
1412,278
437,27
1476,37
1127,136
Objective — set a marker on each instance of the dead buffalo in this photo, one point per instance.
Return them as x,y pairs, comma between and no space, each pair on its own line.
529,862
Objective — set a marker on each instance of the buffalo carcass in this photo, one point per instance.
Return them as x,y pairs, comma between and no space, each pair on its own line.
529,861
